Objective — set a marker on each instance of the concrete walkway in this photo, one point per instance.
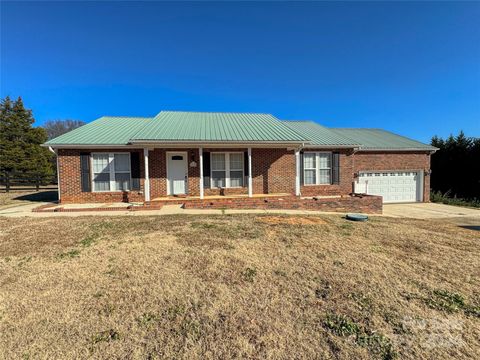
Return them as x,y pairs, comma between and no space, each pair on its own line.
26,211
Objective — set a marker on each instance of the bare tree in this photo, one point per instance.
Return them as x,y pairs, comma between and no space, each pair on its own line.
58,127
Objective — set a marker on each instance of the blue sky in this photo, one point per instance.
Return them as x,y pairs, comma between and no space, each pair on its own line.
412,68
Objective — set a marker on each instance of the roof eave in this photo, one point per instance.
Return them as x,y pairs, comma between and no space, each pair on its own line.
432,150
313,146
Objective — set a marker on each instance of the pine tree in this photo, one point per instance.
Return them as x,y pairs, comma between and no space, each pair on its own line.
20,150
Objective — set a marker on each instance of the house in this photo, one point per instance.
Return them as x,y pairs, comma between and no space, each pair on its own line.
197,156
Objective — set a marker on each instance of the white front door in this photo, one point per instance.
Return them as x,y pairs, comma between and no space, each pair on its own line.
177,173
393,186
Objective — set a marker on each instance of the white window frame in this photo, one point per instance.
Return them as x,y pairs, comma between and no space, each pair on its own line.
111,163
317,167
227,170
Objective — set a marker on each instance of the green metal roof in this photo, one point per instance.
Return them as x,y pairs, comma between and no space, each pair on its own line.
319,135
216,127
378,139
106,130
178,126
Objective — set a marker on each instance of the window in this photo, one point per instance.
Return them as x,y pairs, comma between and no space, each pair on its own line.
111,171
219,170
227,170
317,168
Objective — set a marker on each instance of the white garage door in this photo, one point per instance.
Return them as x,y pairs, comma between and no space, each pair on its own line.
394,186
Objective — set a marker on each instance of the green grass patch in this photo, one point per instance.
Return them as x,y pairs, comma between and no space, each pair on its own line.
341,325
147,319
377,344
69,254
105,336
444,300
249,274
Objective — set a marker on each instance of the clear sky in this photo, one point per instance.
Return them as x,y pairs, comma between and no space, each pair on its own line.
412,68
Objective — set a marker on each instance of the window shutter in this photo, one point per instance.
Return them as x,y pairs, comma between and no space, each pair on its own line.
85,172
245,163
245,169
301,168
336,168
135,170
206,170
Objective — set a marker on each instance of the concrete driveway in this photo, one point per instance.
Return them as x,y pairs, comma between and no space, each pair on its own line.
468,218
428,211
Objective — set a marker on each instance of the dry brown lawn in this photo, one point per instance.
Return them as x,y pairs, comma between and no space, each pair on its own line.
239,286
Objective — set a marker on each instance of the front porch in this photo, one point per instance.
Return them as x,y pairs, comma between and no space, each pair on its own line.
219,172
278,202
186,198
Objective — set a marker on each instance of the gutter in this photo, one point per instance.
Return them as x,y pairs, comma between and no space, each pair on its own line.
430,150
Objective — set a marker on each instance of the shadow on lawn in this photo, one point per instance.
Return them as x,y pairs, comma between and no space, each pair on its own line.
41,196
471,227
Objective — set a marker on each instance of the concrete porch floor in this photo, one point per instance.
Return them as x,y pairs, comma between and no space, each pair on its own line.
216,197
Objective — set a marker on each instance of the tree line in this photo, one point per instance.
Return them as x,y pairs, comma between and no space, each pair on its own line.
456,166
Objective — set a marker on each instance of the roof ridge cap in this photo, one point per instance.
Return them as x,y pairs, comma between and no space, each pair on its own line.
215,112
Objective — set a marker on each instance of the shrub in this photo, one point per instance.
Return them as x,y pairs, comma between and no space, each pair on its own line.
438,197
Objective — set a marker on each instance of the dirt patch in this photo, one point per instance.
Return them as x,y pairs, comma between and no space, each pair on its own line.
291,220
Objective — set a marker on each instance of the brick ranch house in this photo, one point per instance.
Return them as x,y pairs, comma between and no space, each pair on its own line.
239,160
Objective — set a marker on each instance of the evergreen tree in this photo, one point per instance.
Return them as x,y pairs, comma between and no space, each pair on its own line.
456,166
20,150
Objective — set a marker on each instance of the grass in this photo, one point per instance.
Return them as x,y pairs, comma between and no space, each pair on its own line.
239,286
438,197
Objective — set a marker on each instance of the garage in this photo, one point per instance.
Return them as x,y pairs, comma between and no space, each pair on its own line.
393,186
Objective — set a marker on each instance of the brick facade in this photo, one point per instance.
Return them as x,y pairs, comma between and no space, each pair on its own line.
273,171
385,161
70,180
366,204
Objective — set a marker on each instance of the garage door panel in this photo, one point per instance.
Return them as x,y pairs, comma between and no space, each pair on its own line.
393,186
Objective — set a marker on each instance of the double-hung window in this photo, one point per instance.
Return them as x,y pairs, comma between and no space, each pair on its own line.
111,171
317,168
227,170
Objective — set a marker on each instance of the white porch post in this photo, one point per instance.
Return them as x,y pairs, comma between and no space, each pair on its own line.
250,189
200,152
147,177
297,172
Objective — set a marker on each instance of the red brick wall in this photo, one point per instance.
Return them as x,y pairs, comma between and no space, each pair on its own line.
273,171
366,161
365,204
346,177
70,179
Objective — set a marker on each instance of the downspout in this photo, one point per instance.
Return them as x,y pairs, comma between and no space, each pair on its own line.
355,150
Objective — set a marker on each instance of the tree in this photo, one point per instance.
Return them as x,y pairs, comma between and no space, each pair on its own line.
456,166
20,150
56,128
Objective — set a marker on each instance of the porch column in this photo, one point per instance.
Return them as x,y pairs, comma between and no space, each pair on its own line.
147,177
200,152
250,189
297,172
